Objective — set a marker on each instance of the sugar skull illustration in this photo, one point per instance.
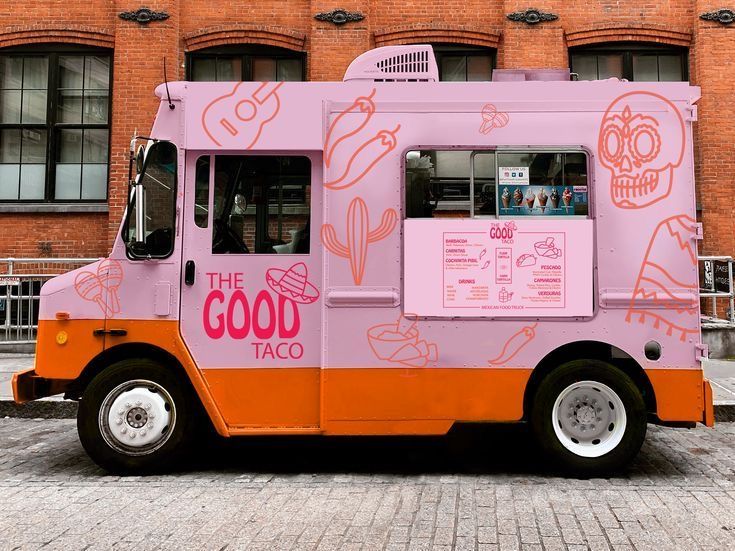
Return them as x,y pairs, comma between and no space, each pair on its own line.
641,148
665,293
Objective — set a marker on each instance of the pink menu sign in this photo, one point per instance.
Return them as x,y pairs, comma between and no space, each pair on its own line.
498,268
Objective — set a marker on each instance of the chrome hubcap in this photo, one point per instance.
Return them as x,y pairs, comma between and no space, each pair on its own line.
137,417
589,418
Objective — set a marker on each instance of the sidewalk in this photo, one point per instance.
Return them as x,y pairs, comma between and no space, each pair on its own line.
721,374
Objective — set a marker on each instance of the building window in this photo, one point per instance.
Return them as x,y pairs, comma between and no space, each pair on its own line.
54,126
634,62
464,63
250,63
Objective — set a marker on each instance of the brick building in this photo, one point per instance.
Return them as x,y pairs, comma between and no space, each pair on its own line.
77,79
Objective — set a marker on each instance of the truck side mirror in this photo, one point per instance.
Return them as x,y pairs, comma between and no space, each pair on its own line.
138,249
139,158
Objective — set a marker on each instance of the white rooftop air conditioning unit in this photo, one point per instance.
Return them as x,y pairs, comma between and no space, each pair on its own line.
414,63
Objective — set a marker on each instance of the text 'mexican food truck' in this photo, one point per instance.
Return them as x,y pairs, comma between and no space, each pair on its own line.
392,255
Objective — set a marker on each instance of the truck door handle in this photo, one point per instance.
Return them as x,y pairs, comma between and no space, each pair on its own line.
189,272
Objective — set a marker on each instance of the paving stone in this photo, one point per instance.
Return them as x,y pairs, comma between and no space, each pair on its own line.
678,494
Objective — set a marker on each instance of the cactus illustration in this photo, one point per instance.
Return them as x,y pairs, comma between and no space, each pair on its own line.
359,236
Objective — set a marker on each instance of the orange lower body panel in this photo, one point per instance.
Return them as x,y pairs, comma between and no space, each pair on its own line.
370,400
365,400
679,394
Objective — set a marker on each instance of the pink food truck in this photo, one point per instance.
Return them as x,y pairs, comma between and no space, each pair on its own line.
392,255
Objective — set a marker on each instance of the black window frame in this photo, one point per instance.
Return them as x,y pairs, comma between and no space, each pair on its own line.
442,50
52,52
628,50
246,53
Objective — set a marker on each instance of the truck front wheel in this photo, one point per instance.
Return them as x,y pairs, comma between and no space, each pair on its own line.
134,417
589,417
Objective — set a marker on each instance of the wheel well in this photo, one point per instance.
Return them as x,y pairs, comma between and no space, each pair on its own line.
125,351
592,350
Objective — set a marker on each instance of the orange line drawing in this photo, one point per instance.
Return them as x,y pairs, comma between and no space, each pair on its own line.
631,146
367,156
514,344
492,118
235,115
359,236
110,274
399,343
363,104
101,287
656,285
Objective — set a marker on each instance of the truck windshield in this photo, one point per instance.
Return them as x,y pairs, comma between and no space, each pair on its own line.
158,180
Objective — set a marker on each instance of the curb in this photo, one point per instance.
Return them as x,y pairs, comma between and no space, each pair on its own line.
67,409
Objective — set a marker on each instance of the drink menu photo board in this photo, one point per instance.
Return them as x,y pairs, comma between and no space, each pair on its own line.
492,268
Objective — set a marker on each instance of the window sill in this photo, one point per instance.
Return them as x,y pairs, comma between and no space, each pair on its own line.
53,207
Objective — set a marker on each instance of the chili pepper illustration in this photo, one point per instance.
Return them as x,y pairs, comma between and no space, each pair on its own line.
110,274
492,118
514,344
342,128
241,115
484,266
399,343
89,287
365,158
359,236
482,253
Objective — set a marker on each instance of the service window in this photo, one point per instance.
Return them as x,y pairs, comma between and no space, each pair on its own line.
542,184
440,183
261,204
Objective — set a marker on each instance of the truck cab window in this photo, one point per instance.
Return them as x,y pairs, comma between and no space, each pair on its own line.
159,203
261,204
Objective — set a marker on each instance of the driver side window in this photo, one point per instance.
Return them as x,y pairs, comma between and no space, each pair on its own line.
261,204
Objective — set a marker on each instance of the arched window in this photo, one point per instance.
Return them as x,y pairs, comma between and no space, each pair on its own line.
630,60
54,123
248,62
464,63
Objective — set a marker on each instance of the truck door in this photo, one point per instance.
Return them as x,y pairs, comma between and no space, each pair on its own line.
251,284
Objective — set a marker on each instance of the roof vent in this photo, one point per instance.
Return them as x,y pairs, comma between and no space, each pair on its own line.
414,63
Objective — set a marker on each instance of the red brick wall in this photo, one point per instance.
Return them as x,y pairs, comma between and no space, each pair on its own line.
199,23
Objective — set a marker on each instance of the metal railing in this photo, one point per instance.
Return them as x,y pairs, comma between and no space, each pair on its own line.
20,288
716,285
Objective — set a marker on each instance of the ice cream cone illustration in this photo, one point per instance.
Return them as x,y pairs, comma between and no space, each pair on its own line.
542,198
505,198
359,236
566,196
554,198
517,197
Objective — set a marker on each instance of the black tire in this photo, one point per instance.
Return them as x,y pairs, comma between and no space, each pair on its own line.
102,441
543,416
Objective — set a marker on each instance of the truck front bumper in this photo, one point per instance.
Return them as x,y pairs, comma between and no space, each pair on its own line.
28,386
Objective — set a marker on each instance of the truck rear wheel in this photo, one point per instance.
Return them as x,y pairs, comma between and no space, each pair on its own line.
134,417
589,417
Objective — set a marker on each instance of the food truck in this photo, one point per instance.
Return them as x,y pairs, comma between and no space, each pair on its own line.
392,255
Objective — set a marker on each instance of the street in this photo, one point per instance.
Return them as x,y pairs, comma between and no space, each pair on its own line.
479,488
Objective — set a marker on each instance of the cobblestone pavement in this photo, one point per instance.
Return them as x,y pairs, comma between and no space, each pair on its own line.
480,488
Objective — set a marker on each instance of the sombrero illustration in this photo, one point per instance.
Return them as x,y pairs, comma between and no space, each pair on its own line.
292,283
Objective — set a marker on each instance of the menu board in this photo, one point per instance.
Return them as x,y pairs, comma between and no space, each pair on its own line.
491,268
